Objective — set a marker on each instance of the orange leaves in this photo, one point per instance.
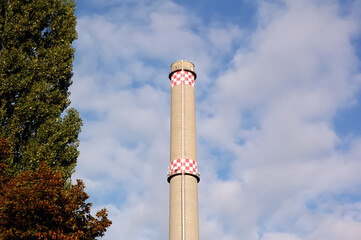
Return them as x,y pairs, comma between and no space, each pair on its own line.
35,204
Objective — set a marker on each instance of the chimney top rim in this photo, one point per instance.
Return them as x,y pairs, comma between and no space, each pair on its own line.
182,65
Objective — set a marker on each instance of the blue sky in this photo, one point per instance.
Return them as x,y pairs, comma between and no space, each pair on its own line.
278,101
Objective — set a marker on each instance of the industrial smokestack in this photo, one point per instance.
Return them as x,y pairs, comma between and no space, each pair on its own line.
183,175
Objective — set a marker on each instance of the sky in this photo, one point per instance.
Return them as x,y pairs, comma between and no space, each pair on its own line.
278,109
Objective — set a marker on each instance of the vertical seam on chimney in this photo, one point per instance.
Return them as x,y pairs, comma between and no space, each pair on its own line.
183,204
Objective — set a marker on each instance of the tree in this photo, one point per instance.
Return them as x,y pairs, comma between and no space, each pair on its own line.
38,130
36,59
35,205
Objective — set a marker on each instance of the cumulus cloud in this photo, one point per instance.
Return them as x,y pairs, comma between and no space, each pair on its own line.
270,157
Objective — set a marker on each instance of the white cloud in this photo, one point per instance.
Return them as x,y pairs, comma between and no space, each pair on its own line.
337,228
293,79
279,236
266,142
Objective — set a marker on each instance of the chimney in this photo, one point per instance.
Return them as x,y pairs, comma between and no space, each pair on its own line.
183,175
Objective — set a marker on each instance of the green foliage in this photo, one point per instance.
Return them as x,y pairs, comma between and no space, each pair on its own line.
36,59
38,136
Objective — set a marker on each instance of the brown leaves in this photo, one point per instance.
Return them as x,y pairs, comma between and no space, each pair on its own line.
40,152
35,205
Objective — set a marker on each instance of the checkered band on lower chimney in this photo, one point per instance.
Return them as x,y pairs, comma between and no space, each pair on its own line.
183,165
182,77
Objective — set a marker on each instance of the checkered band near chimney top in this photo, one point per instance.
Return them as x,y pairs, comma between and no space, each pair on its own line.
183,165
182,77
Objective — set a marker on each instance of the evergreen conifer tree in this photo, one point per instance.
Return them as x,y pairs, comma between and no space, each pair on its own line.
36,59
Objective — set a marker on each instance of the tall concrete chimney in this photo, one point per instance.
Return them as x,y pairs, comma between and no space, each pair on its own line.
183,175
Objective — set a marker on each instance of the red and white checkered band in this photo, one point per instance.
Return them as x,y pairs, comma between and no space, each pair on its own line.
182,77
183,165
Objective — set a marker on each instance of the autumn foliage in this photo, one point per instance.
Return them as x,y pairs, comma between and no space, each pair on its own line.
38,128
35,205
